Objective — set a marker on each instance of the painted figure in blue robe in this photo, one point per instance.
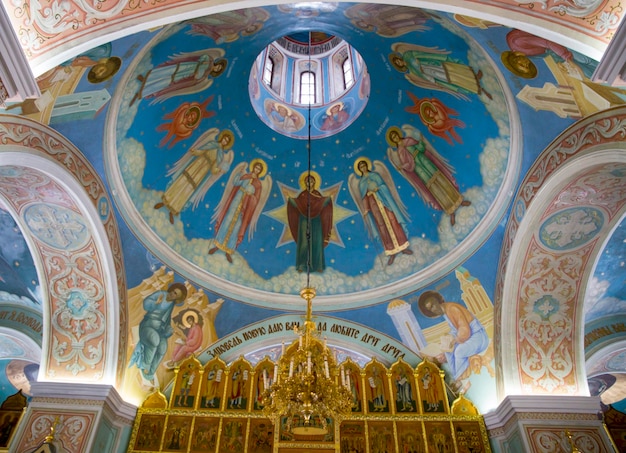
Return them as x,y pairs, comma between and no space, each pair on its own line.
320,208
383,212
156,327
467,335
183,74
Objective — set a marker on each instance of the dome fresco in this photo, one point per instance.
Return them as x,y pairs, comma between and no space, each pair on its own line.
18,277
468,159
275,85
418,122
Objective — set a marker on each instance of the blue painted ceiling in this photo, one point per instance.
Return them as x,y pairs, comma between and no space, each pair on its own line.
488,139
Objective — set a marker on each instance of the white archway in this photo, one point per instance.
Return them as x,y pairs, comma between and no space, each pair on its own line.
545,267
66,217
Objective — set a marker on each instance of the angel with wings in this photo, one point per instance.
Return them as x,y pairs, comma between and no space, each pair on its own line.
185,73
434,69
425,169
239,209
379,203
437,117
199,168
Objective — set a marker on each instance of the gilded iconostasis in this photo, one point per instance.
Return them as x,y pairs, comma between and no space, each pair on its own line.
220,408
407,155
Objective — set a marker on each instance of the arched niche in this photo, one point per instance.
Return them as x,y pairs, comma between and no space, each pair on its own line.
548,256
77,251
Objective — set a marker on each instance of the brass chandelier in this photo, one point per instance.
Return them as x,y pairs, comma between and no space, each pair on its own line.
307,384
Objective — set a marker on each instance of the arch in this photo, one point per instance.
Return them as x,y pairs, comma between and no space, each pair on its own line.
27,347
118,20
79,263
545,272
347,68
599,362
268,71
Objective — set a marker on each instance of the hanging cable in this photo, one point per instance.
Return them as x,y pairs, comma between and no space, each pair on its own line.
308,176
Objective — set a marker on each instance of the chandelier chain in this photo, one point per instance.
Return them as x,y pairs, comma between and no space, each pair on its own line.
307,384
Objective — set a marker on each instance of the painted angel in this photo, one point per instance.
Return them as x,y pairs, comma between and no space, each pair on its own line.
199,168
228,26
432,68
437,117
239,209
425,169
379,203
184,73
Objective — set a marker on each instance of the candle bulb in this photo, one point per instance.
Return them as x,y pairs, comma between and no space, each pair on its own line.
282,350
291,368
276,373
308,364
343,376
300,341
327,372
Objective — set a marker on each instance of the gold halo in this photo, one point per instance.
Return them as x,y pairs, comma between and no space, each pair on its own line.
329,109
111,64
389,131
230,135
263,164
422,107
393,57
355,166
186,315
508,58
218,67
278,104
316,177
199,118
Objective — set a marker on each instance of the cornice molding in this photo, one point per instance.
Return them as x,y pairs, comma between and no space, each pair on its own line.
15,73
612,67
522,407
83,394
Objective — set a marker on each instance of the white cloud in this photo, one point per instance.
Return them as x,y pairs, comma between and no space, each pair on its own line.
596,305
493,162
605,307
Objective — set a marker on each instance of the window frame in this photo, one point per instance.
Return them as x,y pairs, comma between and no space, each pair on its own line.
350,70
268,68
310,93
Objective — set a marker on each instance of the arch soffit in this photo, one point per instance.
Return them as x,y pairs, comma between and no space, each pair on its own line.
118,21
31,347
68,183
600,361
592,144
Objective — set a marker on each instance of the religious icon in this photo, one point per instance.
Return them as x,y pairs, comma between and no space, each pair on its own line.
239,209
310,211
383,212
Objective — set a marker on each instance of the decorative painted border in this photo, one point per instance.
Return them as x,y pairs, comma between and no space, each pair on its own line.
608,126
21,133
60,31
603,131
72,428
